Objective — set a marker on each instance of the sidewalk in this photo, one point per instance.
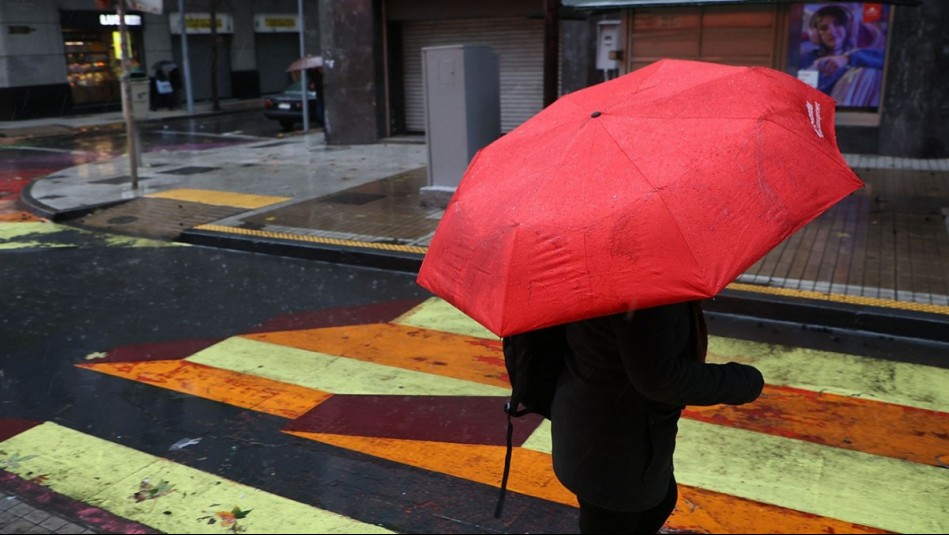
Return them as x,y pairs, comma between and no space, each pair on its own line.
877,262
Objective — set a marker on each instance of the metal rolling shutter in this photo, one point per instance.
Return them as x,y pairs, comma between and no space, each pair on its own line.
519,44
275,51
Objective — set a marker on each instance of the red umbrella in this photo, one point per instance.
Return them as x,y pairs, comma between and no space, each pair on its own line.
659,186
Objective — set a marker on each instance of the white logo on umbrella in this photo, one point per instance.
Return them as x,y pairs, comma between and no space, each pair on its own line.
813,111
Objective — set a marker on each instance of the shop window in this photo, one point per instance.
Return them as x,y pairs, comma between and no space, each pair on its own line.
90,63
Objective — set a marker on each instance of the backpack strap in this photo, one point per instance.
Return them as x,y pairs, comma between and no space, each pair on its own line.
507,460
699,331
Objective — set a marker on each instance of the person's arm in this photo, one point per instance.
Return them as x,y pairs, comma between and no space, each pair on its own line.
858,57
866,57
650,348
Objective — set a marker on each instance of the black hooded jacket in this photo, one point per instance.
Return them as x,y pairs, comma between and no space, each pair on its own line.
626,380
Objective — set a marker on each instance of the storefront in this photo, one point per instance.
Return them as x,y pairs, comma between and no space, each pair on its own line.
206,52
840,48
277,44
880,61
91,41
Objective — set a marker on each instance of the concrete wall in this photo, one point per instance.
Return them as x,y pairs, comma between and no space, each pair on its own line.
915,122
31,44
350,32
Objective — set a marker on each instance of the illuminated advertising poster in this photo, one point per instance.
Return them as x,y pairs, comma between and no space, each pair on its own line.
842,49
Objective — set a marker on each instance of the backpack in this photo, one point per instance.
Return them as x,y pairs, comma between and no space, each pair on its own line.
534,361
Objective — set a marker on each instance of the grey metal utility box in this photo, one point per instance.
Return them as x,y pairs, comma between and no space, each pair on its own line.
462,112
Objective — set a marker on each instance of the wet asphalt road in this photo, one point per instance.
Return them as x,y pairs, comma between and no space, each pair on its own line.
64,305
69,295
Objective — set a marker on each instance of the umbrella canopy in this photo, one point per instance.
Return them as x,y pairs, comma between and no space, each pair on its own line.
659,186
306,63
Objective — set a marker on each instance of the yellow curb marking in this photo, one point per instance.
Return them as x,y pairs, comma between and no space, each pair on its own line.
219,198
841,298
313,239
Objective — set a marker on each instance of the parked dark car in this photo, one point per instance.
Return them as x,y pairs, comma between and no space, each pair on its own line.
287,107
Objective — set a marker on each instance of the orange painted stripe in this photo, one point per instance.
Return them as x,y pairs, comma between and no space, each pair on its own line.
247,391
704,511
18,217
911,434
697,511
403,346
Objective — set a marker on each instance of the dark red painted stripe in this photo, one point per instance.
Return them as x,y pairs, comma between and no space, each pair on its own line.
454,419
177,349
10,427
338,317
75,511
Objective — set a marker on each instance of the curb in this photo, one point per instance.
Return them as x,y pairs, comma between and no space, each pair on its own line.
891,322
17,133
900,333
30,204
355,256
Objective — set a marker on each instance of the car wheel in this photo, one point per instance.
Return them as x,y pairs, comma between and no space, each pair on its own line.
287,125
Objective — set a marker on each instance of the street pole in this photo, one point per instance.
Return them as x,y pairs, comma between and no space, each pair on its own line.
215,104
551,44
304,90
130,132
185,59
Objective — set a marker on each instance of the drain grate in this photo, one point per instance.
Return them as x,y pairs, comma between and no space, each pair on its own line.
124,179
276,144
354,197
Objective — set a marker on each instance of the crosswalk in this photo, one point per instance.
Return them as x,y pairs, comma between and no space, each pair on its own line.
24,233
836,443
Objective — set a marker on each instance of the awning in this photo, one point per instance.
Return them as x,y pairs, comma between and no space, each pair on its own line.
603,4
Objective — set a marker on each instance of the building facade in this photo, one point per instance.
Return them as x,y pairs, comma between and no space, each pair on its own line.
888,73
60,56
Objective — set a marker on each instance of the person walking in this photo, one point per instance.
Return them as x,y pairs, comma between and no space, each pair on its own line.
626,380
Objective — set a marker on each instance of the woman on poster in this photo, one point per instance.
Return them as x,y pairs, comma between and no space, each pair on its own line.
849,73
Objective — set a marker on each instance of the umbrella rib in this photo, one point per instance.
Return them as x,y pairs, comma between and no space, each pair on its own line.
839,163
678,226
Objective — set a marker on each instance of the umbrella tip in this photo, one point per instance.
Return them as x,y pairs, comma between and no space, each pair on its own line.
595,114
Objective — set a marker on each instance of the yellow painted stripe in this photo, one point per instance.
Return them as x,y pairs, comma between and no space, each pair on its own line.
912,434
219,198
438,314
697,511
403,346
182,500
900,383
238,389
848,485
851,486
42,234
313,239
842,298
14,235
331,373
